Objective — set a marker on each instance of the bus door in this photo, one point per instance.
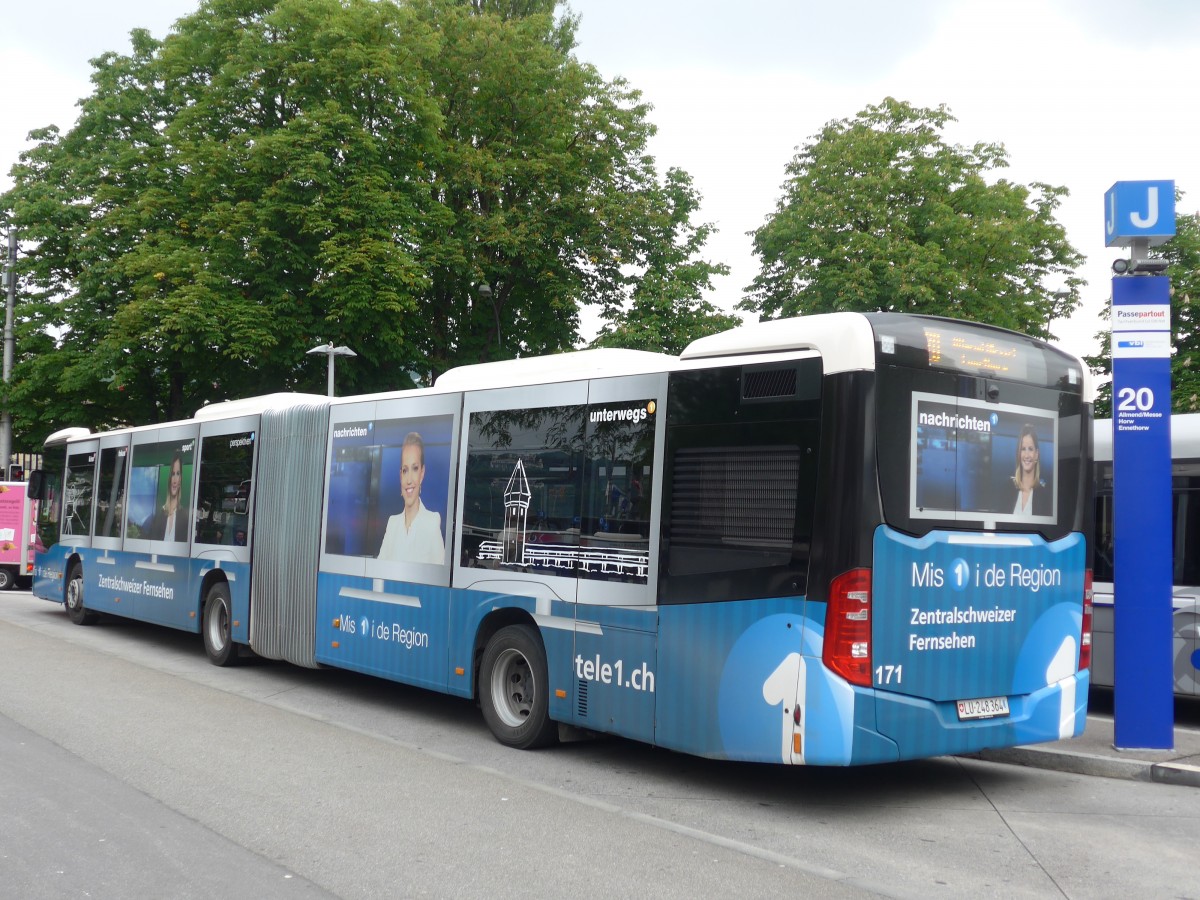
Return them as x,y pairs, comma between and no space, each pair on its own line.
159,520
224,506
615,658
103,578
520,520
79,480
65,515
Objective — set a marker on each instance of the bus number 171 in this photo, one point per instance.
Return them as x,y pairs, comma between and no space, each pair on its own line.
888,674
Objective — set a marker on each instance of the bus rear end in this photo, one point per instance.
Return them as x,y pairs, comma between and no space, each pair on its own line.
883,553
969,624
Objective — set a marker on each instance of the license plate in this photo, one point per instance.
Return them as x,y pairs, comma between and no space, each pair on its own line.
983,708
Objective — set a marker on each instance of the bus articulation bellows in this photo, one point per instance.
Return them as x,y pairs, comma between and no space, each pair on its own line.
831,540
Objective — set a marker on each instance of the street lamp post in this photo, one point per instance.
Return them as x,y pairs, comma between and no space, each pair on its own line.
484,291
10,280
331,351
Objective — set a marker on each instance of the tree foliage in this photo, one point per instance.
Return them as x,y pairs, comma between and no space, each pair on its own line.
1182,253
276,174
878,212
668,310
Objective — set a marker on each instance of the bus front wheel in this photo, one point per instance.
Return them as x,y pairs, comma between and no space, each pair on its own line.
216,624
76,611
514,693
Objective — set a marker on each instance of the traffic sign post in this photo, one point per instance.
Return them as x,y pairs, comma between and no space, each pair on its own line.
1138,215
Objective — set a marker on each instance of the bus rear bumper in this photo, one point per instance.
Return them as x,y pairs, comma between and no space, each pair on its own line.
922,728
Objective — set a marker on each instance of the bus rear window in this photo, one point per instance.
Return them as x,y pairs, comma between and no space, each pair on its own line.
977,461
957,451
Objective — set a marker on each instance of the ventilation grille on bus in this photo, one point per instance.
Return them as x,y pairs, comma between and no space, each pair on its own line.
735,495
581,706
761,384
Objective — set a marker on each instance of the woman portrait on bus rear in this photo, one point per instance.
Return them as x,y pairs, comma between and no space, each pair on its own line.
168,522
1033,496
415,533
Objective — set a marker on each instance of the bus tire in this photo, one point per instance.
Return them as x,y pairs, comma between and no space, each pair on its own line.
216,624
514,689
7,579
76,611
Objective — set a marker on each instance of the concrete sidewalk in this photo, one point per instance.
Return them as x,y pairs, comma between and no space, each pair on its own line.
1093,753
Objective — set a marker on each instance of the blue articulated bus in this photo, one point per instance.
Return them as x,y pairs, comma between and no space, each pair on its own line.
831,540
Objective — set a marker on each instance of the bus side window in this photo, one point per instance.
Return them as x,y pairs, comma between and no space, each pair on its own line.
223,497
615,528
110,492
523,480
741,482
81,471
46,488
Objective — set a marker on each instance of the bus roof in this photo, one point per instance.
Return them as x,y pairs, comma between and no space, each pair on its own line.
846,341
250,405
579,365
63,435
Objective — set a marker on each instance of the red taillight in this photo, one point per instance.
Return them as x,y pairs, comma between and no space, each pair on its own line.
847,649
1085,637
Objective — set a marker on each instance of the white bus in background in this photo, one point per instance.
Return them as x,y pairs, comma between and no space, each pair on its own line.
1185,520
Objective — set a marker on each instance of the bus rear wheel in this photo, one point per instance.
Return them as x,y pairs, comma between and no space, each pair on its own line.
76,611
217,626
514,693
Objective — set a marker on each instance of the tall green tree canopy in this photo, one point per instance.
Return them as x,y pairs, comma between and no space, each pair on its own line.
879,212
668,310
431,182
1182,254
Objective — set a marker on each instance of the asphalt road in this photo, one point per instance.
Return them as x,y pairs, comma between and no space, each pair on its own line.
129,767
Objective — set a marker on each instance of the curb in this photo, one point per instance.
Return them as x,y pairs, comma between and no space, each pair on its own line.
1077,763
1182,774
1176,773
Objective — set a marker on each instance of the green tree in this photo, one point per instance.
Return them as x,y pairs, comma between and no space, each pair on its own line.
541,182
667,309
229,198
275,174
74,202
879,213
1182,253
301,124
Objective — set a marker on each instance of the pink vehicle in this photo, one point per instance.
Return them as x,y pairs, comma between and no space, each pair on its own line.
16,534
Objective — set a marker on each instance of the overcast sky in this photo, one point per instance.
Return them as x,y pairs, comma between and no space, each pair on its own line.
1082,93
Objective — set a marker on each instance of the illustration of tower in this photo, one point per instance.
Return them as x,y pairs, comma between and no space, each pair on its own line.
516,513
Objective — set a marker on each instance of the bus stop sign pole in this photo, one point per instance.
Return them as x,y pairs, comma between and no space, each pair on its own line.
1139,215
